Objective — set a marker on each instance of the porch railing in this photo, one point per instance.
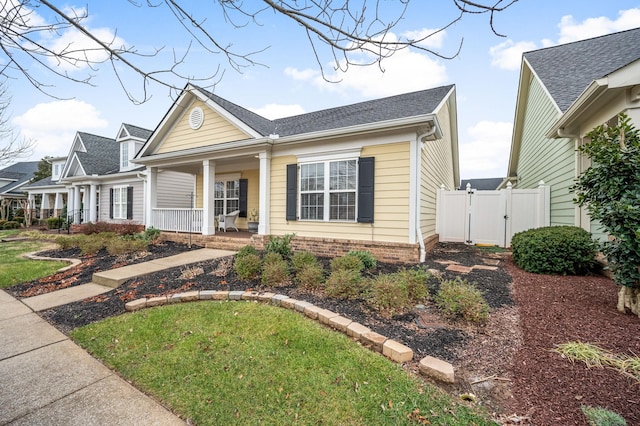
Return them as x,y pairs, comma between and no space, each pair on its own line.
179,220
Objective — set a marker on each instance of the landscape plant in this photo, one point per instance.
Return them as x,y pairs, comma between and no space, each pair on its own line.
345,284
563,250
610,191
598,416
389,295
275,271
281,245
248,266
368,260
459,299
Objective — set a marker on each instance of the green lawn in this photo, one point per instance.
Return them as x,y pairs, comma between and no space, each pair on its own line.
15,269
251,363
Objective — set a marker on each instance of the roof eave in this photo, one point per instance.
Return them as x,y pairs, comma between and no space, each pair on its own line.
588,97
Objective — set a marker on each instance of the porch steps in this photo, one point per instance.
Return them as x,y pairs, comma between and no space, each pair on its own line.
115,277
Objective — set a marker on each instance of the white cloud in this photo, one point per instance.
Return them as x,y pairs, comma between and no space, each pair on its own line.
507,55
273,111
487,153
53,125
404,71
570,30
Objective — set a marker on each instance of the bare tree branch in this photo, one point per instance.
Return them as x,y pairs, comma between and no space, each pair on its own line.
11,146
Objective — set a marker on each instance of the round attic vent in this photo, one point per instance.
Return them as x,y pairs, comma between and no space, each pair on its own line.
196,118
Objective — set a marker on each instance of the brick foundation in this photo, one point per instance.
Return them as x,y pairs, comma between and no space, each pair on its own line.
326,247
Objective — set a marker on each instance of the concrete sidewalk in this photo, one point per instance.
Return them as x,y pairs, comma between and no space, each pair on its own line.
46,379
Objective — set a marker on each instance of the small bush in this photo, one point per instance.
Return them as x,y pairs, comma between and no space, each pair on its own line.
598,416
348,262
275,271
151,234
90,245
310,276
116,246
302,259
247,267
11,224
66,242
416,282
247,250
368,260
566,250
460,299
389,295
126,228
19,219
345,284
54,222
281,245
2,222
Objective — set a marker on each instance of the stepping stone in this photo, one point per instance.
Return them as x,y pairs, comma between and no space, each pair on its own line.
485,267
459,268
64,296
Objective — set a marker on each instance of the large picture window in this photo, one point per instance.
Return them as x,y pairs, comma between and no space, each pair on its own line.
226,197
328,190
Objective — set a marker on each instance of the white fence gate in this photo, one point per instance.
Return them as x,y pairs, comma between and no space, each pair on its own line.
491,217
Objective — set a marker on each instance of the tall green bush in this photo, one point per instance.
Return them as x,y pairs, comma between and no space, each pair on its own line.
566,250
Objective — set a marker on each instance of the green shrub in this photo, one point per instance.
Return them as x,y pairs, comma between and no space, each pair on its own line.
310,276
280,245
66,242
368,260
116,246
19,219
302,259
90,244
567,250
54,222
345,284
460,299
2,222
11,224
151,234
416,282
275,271
248,266
389,294
248,249
348,262
598,416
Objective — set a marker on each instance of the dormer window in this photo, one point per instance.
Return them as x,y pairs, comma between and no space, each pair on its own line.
124,155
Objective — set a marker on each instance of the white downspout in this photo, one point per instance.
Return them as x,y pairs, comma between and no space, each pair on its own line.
423,250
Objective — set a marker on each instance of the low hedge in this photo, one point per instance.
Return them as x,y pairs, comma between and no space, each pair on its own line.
565,250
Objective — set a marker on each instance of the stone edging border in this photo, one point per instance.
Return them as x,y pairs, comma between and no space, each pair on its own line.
72,262
397,352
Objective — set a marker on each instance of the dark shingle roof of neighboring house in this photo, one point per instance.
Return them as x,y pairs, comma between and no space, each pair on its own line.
102,156
137,132
566,70
42,182
19,173
481,184
374,111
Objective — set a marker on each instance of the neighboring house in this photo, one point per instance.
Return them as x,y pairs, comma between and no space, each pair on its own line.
48,196
482,184
97,181
361,176
12,181
564,92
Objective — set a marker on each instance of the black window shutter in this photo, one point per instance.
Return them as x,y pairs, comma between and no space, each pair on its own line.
366,173
243,197
111,203
130,202
292,191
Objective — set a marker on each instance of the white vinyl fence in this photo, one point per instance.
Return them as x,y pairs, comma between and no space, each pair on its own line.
491,217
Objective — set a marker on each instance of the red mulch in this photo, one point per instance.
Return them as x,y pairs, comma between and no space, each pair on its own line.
560,309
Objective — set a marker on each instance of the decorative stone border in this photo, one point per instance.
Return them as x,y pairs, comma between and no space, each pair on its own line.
397,352
72,262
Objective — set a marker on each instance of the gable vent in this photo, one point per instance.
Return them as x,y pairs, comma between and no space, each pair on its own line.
196,118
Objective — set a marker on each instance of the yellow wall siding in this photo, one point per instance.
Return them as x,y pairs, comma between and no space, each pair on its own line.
215,129
436,169
391,217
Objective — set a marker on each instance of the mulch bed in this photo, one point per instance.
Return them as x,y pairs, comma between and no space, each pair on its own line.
507,363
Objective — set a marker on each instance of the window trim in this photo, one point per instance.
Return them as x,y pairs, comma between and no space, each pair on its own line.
121,188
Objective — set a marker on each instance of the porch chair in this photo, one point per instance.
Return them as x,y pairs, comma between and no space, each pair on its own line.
228,221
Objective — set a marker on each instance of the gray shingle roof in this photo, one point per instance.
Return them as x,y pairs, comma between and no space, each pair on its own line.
137,132
482,184
566,70
21,172
374,111
102,156
42,182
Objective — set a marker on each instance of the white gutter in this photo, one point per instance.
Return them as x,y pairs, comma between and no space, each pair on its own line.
431,132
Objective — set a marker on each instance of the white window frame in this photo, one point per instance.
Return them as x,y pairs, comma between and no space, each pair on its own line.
223,179
124,155
327,191
120,202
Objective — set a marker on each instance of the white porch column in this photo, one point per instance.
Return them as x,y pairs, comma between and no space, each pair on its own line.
70,202
77,203
208,196
58,204
44,204
150,200
264,228
93,203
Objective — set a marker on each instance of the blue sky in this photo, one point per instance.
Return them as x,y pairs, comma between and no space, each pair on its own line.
485,72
